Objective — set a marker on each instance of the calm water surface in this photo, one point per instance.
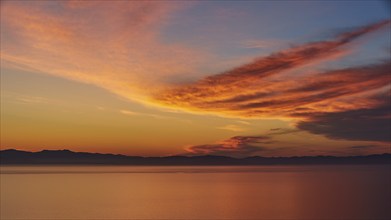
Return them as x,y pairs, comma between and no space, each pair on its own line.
196,192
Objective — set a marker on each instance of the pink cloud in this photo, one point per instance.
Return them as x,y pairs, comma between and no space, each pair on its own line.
259,89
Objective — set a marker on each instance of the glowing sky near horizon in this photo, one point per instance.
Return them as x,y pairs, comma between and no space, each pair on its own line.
270,78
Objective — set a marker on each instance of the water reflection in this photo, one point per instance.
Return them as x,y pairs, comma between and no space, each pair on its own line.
263,192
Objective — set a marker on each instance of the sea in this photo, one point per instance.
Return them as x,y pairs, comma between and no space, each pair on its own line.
294,192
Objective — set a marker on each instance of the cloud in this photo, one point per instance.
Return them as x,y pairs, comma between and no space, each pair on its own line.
132,113
362,146
34,100
262,88
282,131
238,146
247,146
243,122
116,46
366,149
372,125
339,104
110,44
232,128
365,124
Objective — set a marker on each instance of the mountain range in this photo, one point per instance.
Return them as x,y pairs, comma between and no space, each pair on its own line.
14,157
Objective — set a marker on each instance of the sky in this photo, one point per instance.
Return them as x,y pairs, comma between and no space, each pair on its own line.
231,78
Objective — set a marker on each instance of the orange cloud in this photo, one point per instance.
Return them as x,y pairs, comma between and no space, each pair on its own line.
110,44
259,89
234,128
115,45
238,146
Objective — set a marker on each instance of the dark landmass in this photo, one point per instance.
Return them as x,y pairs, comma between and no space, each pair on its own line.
67,157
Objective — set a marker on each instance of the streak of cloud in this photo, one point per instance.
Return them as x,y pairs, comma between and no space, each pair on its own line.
282,131
113,45
232,128
132,113
254,89
238,146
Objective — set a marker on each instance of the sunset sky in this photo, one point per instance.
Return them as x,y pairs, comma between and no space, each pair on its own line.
234,78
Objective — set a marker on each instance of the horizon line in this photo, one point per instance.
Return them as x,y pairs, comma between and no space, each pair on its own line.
191,156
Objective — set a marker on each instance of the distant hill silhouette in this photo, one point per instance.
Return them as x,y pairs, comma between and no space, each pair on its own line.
12,156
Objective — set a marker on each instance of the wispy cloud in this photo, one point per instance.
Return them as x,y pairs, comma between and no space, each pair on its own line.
34,100
243,122
257,89
238,146
127,112
132,113
113,45
232,128
27,99
366,149
282,131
